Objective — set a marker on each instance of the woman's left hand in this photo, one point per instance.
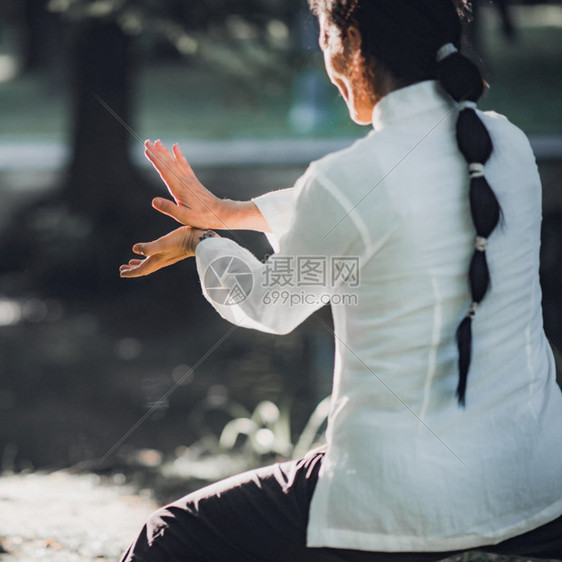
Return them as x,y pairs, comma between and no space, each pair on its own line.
166,250
193,205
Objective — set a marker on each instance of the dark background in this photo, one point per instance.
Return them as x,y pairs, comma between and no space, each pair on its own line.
99,373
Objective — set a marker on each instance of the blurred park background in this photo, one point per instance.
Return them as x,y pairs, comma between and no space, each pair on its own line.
132,377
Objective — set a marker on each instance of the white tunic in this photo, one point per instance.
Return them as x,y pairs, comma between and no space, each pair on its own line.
406,469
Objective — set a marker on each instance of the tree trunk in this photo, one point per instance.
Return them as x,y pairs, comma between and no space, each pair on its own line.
100,173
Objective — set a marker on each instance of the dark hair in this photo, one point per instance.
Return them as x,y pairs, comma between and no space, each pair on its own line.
403,37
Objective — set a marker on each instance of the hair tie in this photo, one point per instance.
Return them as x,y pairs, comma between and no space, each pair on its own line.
480,244
466,104
445,51
472,310
476,170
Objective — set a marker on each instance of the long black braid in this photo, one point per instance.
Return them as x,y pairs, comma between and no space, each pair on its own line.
417,40
461,79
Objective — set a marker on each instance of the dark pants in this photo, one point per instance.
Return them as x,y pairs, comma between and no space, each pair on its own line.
261,516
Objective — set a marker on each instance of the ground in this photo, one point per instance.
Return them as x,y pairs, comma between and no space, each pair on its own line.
68,518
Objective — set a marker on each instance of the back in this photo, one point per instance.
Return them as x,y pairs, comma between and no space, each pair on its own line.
429,475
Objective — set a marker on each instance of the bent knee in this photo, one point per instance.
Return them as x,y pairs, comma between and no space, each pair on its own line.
157,522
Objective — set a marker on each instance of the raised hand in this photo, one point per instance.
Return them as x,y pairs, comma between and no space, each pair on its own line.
194,204
166,250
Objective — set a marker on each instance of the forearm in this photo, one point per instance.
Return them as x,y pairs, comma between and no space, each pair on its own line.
239,289
241,215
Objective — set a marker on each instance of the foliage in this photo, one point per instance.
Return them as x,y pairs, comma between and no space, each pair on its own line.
242,38
247,440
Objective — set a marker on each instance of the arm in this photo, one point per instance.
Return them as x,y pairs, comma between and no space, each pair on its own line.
276,296
243,289
196,206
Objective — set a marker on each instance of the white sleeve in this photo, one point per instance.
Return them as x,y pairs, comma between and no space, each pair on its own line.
276,296
277,208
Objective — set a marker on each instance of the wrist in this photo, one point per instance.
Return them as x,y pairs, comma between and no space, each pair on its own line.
242,215
198,235
228,214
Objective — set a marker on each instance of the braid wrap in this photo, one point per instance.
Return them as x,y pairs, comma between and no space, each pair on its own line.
461,79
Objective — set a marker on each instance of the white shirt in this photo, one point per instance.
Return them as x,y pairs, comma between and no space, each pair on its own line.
406,469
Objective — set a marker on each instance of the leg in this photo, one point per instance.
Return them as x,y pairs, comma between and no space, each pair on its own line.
262,515
257,516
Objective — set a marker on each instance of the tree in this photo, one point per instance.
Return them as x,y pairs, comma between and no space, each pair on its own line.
77,237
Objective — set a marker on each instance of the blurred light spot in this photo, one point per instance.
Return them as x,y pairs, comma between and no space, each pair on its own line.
131,23
149,457
182,375
539,16
100,9
119,479
240,28
306,115
186,45
128,349
35,310
8,68
181,450
10,312
217,395
265,440
277,30
59,5
268,411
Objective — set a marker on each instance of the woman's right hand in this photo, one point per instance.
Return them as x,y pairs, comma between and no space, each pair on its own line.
194,204
165,251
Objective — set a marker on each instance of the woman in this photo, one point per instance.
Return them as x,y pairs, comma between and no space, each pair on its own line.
436,193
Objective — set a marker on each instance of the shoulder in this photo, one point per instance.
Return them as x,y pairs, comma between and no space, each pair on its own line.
506,134
512,167
339,159
348,172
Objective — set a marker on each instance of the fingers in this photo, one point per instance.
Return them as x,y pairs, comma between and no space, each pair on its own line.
145,249
129,266
181,158
175,161
139,268
161,159
162,162
158,153
131,269
150,249
174,170
177,212
157,147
